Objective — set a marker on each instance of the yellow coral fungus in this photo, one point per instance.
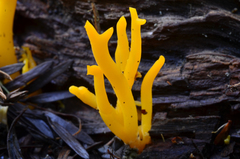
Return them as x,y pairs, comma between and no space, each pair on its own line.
7,53
121,120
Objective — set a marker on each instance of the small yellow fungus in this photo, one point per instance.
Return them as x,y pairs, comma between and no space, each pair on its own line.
7,53
27,59
227,140
123,119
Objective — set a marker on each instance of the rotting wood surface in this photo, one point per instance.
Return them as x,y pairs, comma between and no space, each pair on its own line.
199,39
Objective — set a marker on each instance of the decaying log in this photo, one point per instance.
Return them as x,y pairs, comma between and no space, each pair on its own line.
198,87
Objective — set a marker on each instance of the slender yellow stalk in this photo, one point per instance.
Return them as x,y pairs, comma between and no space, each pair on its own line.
136,47
122,50
107,112
146,94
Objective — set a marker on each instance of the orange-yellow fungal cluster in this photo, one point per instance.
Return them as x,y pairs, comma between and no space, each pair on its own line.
123,119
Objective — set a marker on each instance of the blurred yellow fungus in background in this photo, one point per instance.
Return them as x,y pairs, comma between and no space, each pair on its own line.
7,53
27,59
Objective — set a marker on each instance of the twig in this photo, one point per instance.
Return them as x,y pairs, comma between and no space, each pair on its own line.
112,155
9,137
2,95
235,85
96,18
4,88
198,149
6,75
163,138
